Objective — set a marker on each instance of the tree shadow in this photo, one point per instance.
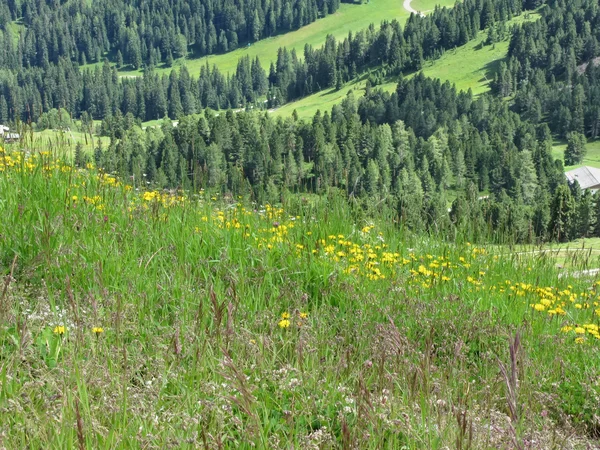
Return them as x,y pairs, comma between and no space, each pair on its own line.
491,69
127,68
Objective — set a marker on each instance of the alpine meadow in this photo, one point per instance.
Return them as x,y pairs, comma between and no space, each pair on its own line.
300,224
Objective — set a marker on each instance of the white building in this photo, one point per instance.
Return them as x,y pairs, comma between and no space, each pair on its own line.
587,177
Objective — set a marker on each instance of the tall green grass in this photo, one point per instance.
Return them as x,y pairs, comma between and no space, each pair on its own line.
311,324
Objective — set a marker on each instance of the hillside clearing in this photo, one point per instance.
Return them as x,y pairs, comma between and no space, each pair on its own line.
592,157
350,17
471,66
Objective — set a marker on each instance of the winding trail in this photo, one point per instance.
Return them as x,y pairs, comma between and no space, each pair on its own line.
410,9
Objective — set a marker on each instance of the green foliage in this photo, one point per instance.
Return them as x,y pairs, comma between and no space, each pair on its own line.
53,120
49,346
562,212
122,28
561,81
375,148
575,151
579,402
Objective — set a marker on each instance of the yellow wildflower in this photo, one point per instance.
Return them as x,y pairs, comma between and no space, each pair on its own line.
303,315
284,323
285,315
59,330
97,331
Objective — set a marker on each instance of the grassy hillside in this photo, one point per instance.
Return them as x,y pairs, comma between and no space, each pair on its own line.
471,66
349,17
152,319
324,100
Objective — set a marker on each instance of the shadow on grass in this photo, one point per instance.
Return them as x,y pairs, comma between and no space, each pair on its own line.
491,69
356,83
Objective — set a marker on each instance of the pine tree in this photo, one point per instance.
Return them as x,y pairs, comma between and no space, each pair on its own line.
541,213
562,212
584,213
169,159
174,95
528,177
169,60
575,151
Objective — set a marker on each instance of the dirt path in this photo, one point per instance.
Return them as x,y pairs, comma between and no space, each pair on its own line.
410,9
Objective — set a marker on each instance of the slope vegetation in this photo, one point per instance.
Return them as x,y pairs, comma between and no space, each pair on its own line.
471,66
348,18
151,318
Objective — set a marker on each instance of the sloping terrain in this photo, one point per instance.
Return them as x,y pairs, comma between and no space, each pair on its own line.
135,317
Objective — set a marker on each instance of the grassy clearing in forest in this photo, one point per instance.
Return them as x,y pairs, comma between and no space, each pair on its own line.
163,319
592,157
349,17
471,66
468,67
325,100
65,139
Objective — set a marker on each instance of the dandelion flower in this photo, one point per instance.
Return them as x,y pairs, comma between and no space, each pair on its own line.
97,331
303,315
580,330
60,330
579,340
284,323
285,315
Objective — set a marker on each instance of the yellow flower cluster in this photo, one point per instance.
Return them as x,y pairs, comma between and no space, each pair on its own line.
164,199
553,301
95,201
19,162
581,331
286,319
361,255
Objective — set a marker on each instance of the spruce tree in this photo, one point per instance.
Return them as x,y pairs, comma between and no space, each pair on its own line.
562,212
575,151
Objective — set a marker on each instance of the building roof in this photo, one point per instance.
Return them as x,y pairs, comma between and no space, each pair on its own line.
587,177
